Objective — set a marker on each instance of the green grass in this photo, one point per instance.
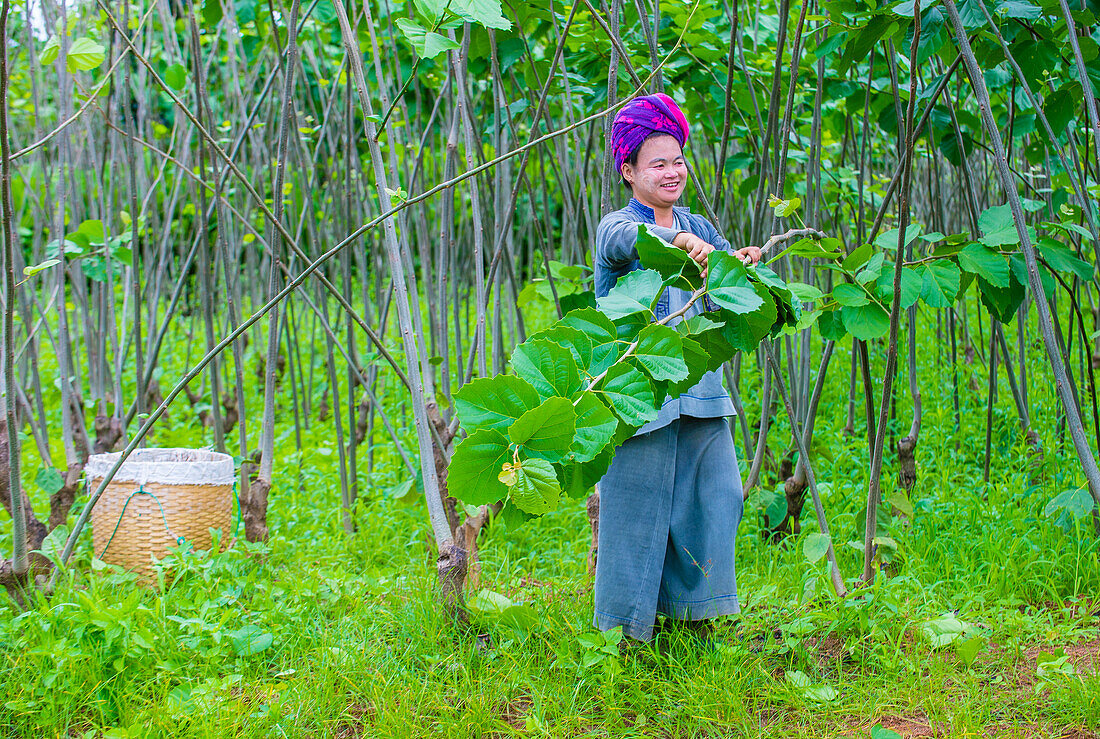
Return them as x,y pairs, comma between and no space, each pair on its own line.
323,634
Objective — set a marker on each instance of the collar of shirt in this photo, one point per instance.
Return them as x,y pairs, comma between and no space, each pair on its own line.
647,215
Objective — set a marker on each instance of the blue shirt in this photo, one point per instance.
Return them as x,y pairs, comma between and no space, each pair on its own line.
616,256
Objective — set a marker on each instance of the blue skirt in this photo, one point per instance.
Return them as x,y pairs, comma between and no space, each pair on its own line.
670,505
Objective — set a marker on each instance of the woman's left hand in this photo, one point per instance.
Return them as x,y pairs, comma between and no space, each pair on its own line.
750,255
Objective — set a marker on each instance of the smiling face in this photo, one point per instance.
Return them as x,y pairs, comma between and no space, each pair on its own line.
660,174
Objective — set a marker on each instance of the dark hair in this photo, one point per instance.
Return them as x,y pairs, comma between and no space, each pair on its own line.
632,160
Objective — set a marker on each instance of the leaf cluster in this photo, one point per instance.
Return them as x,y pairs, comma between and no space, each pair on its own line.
588,382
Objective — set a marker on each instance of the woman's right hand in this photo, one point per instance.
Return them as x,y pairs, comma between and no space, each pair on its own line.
695,247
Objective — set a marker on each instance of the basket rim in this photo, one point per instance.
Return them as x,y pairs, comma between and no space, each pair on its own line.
166,466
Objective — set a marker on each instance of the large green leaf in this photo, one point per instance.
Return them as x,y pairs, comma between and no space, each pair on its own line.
546,431
939,283
494,402
475,465
575,340
595,426
998,228
815,546
601,332
660,353
672,263
578,478
729,286
1061,257
428,44
629,394
697,325
84,54
1076,502
866,322
486,13
910,286
697,363
633,293
851,295
832,326
249,640
788,307
744,331
549,367
1002,302
536,490
985,263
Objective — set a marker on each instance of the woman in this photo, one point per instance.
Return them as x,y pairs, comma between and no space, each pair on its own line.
671,501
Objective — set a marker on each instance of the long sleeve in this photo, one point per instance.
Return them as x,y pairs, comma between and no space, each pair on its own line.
617,235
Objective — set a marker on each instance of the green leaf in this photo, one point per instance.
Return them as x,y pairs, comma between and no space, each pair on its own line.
31,270
998,228
1002,302
805,293
982,261
899,500
575,340
83,55
940,282
427,44
910,287
633,293
697,363
1018,9
176,76
783,208
602,334
578,478
432,10
661,353
494,402
943,630
249,640
549,367
866,322
857,258
697,325
577,301
546,431
889,239
788,307
50,51
211,13
595,426
669,261
832,326
852,295
967,650
738,333
49,479
872,270
486,13
536,490
1076,502
1062,259
475,464
728,284
629,394
815,546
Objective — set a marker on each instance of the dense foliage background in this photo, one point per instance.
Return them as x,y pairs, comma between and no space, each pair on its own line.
295,232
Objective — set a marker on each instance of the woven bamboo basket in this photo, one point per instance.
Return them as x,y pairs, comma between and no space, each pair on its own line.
157,499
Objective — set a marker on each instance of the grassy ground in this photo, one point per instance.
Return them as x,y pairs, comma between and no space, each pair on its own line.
988,623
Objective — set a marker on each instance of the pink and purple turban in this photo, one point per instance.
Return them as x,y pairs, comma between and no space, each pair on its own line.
641,117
